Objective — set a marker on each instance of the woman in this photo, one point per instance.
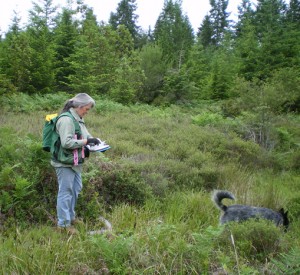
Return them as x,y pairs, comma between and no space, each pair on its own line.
68,156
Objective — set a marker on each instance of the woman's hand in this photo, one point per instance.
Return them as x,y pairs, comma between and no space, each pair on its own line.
93,141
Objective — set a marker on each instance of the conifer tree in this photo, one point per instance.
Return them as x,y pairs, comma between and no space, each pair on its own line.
174,33
246,42
247,50
41,21
65,37
291,35
269,23
86,59
269,17
125,15
198,70
223,70
15,59
293,12
219,18
127,77
205,32
101,59
245,16
154,68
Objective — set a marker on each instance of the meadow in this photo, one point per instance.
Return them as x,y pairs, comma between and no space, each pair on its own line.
154,185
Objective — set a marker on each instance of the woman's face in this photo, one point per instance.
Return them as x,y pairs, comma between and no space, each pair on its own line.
83,110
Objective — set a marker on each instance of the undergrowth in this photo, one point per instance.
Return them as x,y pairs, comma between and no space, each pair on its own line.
154,186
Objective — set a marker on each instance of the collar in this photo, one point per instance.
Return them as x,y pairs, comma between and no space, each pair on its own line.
75,115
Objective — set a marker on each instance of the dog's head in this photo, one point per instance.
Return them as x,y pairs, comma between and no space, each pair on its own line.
285,219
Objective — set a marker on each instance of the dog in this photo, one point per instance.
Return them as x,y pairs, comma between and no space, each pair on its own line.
239,213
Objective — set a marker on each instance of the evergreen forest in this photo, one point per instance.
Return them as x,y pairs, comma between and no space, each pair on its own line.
185,112
69,51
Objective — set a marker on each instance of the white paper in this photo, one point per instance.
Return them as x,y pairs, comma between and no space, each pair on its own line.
101,147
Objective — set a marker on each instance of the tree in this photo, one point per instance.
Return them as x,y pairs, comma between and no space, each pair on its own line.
245,16
124,43
16,58
86,60
247,50
128,80
205,33
293,12
100,56
269,17
65,37
291,35
42,15
269,23
219,20
125,15
174,33
222,73
198,69
154,68
177,88
41,20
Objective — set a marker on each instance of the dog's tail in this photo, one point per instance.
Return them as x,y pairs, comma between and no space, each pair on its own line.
219,195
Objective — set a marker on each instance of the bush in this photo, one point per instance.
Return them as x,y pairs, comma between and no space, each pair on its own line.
253,240
114,183
18,176
20,102
124,186
207,119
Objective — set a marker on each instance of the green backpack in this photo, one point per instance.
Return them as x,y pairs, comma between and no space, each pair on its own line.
51,140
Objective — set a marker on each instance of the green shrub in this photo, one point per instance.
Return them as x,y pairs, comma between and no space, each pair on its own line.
115,183
207,119
124,186
253,240
106,106
20,102
21,176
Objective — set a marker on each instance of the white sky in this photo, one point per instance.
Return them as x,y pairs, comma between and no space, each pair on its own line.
147,10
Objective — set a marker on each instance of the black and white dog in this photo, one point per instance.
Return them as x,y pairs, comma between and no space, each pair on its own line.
240,213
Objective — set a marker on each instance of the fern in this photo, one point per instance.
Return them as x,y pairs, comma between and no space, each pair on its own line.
289,263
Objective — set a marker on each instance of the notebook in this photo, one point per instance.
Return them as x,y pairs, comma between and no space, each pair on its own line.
101,147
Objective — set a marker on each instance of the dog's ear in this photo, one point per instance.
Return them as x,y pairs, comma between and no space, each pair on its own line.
284,215
281,211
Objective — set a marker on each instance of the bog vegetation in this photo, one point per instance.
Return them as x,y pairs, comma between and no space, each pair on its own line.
184,113
154,186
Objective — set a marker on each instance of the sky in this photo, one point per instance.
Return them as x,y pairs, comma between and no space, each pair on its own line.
147,10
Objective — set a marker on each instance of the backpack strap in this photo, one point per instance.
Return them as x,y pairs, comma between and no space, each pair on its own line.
77,135
76,123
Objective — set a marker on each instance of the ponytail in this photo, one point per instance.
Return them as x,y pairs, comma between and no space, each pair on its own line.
68,105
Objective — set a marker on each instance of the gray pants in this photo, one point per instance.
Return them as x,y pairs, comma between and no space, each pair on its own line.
69,187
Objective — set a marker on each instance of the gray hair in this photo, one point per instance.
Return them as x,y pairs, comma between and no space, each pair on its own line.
79,100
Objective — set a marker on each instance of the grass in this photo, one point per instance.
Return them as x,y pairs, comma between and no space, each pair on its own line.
154,186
